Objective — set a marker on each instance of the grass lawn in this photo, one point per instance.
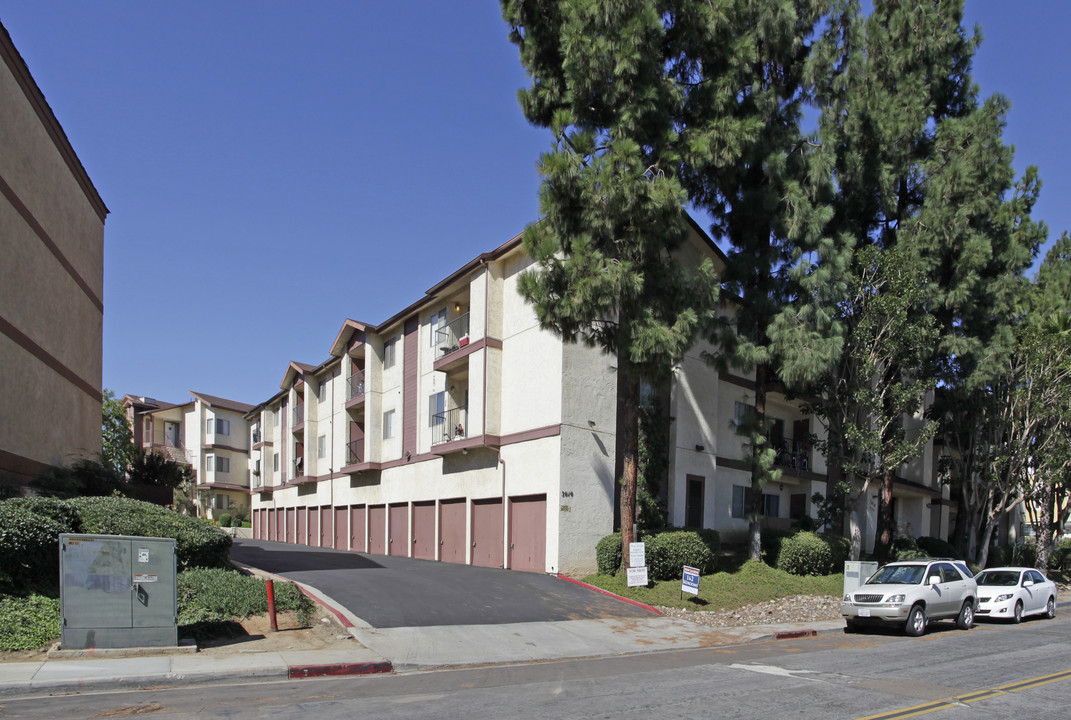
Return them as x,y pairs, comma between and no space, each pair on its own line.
753,582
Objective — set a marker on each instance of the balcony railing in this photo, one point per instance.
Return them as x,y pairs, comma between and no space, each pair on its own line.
299,414
793,454
453,335
449,426
354,452
356,385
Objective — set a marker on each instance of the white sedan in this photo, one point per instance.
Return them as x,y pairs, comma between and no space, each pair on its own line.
1011,593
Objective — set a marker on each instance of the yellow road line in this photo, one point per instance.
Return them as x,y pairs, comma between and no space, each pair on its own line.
970,697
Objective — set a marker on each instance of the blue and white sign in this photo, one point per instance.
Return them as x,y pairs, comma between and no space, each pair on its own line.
690,581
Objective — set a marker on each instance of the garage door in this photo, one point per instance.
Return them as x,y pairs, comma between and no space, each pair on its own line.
399,530
358,537
326,532
291,525
487,533
377,529
342,540
452,530
304,520
272,522
424,530
528,533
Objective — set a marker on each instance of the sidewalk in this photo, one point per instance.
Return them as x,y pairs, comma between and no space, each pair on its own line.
383,650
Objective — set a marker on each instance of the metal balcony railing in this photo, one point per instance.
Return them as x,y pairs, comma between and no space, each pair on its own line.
793,454
356,385
354,452
450,425
453,335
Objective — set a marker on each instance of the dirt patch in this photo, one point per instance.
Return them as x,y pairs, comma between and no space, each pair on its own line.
256,635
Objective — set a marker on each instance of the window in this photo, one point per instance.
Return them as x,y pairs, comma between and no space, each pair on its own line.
436,409
771,505
743,416
223,427
389,352
437,321
210,462
321,390
275,462
223,465
210,426
221,502
275,417
321,446
739,508
388,424
148,427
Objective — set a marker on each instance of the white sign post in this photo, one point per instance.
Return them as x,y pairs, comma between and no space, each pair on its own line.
637,560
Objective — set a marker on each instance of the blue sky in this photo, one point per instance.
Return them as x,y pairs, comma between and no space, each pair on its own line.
273,168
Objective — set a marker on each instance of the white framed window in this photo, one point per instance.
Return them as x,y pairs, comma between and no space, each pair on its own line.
388,425
437,321
390,351
210,426
321,389
739,506
210,462
275,462
321,447
223,427
221,502
223,464
436,409
275,417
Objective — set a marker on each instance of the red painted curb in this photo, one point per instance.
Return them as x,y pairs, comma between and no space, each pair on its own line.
322,603
788,635
363,668
630,601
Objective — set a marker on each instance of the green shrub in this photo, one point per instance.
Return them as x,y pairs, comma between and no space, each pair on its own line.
770,540
29,547
905,549
238,522
668,552
608,554
197,543
224,520
1025,554
840,548
211,599
936,547
805,554
1060,560
28,622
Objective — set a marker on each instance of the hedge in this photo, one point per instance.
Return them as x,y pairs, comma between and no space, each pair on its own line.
608,554
29,549
805,553
668,552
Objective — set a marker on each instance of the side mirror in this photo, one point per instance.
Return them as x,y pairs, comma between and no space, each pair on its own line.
1027,583
934,580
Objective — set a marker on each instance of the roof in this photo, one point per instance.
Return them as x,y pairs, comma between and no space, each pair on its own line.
222,403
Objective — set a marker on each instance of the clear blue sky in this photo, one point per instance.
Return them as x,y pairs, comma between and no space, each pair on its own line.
273,168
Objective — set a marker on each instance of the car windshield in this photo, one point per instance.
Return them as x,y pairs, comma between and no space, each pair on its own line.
1003,578
898,575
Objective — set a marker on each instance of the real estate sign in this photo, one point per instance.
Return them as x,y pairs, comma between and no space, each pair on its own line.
690,580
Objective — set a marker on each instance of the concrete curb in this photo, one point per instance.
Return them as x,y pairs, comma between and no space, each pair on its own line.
336,669
630,601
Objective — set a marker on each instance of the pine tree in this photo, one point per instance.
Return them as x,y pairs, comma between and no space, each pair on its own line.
611,199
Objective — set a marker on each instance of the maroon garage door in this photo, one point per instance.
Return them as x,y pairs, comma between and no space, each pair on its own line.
377,529
272,524
302,537
341,538
399,530
358,537
487,533
452,530
291,525
424,530
528,533
325,527
313,537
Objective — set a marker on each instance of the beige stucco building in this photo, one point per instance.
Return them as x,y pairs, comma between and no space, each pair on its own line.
51,285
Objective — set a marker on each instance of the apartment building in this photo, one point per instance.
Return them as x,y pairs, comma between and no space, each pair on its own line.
208,433
51,286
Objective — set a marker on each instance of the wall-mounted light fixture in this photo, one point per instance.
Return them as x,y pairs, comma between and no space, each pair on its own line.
699,448
591,424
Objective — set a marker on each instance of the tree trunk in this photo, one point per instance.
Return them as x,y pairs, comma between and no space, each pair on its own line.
983,548
855,532
628,395
1045,530
757,479
883,536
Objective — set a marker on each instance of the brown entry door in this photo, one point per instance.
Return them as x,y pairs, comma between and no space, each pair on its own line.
487,531
528,533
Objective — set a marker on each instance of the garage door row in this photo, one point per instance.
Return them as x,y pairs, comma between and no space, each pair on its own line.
478,532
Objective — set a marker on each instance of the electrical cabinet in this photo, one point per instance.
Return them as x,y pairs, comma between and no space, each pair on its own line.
117,591
857,572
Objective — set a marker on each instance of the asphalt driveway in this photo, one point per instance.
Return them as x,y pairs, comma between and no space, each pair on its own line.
390,592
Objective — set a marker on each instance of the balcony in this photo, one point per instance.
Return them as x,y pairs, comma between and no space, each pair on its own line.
450,340
298,416
355,389
355,452
449,426
792,455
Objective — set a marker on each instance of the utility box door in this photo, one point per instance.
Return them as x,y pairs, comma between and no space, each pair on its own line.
857,572
117,591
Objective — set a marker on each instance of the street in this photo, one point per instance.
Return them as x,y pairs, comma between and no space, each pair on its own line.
831,676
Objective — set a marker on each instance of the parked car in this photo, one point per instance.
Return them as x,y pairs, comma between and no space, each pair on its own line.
911,594
1011,593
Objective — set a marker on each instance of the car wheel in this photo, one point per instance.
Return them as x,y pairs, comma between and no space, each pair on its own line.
916,621
1050,609
1017,617
966,616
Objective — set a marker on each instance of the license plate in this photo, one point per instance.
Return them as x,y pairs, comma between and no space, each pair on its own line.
864,612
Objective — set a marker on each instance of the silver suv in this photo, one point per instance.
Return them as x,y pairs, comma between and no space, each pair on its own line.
911,593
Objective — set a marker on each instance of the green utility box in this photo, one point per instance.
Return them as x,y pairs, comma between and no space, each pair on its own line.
117,591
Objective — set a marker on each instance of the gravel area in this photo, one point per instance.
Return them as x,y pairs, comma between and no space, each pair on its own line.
798,608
